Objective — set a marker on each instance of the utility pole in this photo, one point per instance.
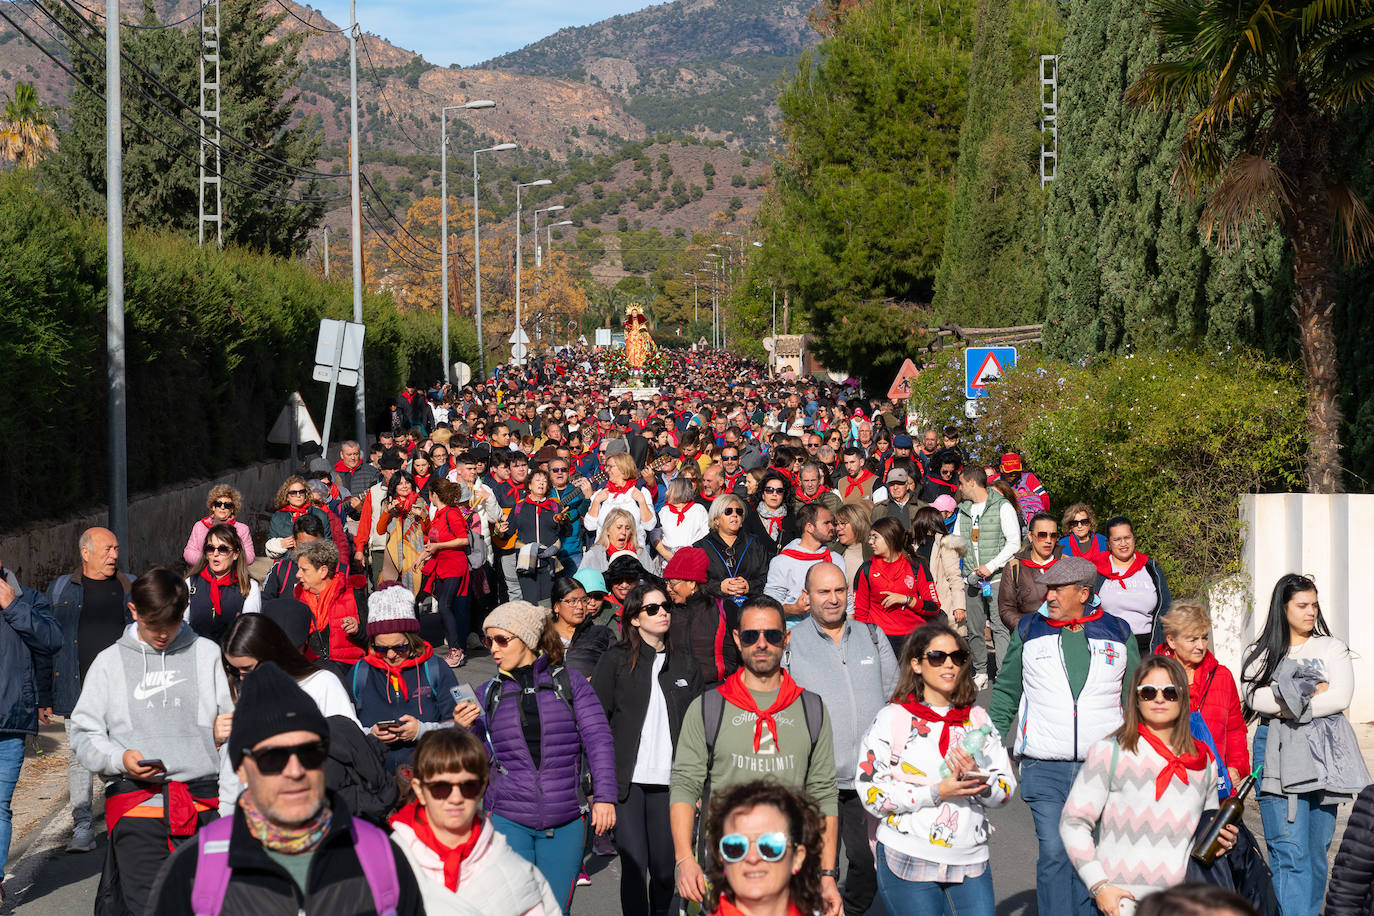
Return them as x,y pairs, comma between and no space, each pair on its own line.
477,256
360,401
114,283
326,252
518,333
209,111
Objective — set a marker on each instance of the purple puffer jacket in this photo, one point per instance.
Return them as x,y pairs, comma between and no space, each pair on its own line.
548,798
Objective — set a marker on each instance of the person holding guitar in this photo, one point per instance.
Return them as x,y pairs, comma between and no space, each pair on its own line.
537,539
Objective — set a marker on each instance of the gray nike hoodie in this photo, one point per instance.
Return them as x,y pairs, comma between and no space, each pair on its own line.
162,703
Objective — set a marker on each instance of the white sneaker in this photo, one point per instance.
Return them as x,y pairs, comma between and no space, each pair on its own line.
83,840
980,681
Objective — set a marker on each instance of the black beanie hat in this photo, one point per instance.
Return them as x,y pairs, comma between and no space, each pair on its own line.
292,615
271,703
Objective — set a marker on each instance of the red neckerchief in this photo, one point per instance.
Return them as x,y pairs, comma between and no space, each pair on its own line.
1075,623
729,909
612,551
420,482
774,523
730,480
957,715
1174,764
619,489
797,554
319,604
680,513
734,692
408,502
209,521
394,680
512,491
949,485
548,505
788,476
229,578
1103,562
413,816
296,511
851,483
1033,564
343,468
803,498
1076,551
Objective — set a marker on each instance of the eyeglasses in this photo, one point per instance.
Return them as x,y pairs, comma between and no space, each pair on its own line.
771,846
1078,523
938,658
774,490
733,510
1042,535
729,457
499,641
558,470
394,648
749,637
272,760
653,610
1148,692
219,548
441,789
223,504
296,492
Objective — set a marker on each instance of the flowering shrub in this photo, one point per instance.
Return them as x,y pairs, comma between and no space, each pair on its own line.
617,365
1169,439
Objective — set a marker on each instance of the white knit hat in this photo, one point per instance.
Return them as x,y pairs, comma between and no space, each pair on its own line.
392,610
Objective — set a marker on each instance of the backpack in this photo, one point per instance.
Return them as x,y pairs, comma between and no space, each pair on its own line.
562,688
713,713
370,844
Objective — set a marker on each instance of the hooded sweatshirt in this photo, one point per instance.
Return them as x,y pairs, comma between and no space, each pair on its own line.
162,703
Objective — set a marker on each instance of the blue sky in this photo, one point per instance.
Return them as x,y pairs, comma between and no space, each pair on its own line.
466,32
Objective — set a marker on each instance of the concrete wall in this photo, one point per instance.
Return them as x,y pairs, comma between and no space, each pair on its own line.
1331,539
158,526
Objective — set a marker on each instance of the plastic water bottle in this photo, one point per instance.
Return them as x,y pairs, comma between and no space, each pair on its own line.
973,742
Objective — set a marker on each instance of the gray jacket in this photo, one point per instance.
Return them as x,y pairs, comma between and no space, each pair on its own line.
855,678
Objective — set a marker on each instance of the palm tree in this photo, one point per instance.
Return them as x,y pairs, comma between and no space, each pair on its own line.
1267,86
25,133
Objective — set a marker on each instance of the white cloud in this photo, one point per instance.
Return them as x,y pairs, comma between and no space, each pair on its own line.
465,32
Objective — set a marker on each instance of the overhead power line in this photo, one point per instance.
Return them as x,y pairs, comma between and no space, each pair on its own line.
144,28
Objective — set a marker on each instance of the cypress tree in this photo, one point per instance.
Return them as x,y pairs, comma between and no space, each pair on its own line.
1125,261
992,273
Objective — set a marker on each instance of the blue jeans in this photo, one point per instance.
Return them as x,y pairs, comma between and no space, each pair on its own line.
1045,786
970,897
1297,850
557,852
11,759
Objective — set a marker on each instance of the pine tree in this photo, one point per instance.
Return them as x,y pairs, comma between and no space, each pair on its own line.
993,270
1125,260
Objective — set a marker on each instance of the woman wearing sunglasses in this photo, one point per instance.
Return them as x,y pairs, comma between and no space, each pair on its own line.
291,502
462,864
401,689
764,852
770,516
224,503
645,685
737,566
219,585
1129,818
1080,533
930,766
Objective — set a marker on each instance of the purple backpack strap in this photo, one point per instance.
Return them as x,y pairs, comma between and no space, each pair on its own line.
212,867
373,848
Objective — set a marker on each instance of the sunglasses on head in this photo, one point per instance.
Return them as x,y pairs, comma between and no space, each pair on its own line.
441,789
733,510
223,504
273,760
771,846
749,637
937,658
654,609
1148,692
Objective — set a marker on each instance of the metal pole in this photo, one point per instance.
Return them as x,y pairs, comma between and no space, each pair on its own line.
773,360
326,252
114,283
477,273
333,389
538,251
443,242
517,333
360,401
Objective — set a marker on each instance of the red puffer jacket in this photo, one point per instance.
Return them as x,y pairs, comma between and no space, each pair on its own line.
1213,693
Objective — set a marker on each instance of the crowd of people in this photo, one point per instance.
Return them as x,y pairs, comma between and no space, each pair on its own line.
776,646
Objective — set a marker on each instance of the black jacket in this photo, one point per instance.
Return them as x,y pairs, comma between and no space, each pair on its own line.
697,628
1350,891
625,696
590,641
355,771
752,555
261,887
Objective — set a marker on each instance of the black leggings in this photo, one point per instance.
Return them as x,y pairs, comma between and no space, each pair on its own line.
454,610
645,841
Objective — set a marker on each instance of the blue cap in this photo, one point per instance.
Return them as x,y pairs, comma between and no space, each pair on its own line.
592,581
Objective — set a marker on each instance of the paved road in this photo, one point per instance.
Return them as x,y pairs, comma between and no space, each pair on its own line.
46,881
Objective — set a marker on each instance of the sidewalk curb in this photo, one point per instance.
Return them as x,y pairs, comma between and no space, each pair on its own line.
30,853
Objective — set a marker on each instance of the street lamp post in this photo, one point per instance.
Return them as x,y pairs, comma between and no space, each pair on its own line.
715,312
539,252
477,255
553,325
519,231
443,220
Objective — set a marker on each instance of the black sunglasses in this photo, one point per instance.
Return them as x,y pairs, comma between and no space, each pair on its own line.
272,760
774,490
733,510
937,657
223,504
219,548
749,637
399,649
441,789
654,609
296,492
1148,692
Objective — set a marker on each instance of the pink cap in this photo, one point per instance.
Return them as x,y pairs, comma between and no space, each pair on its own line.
945,503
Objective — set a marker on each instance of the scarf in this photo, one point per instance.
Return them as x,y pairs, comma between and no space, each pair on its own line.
857,483
1076,550
421,481
735,693
413,816
1035,564
345,469
512,491
229,578
395,682
774,518
679,511
290,841
798,554
612,551
620,489
803,498
957,715
408,502
548,505
209,521
1103,562
295,511
320,604
1174,764
1076,623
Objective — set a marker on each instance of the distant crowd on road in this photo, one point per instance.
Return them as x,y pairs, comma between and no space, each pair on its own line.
779,647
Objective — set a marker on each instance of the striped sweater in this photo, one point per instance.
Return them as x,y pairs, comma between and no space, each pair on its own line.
1142,844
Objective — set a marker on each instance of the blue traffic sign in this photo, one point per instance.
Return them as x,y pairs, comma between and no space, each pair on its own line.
983,365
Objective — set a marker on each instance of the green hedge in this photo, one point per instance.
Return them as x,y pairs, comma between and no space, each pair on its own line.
1169,439
216,341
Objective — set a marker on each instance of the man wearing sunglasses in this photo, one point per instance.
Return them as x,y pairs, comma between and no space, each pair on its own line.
764,725
1060,691
290,845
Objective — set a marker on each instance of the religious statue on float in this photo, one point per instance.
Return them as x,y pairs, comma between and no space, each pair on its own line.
639,346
